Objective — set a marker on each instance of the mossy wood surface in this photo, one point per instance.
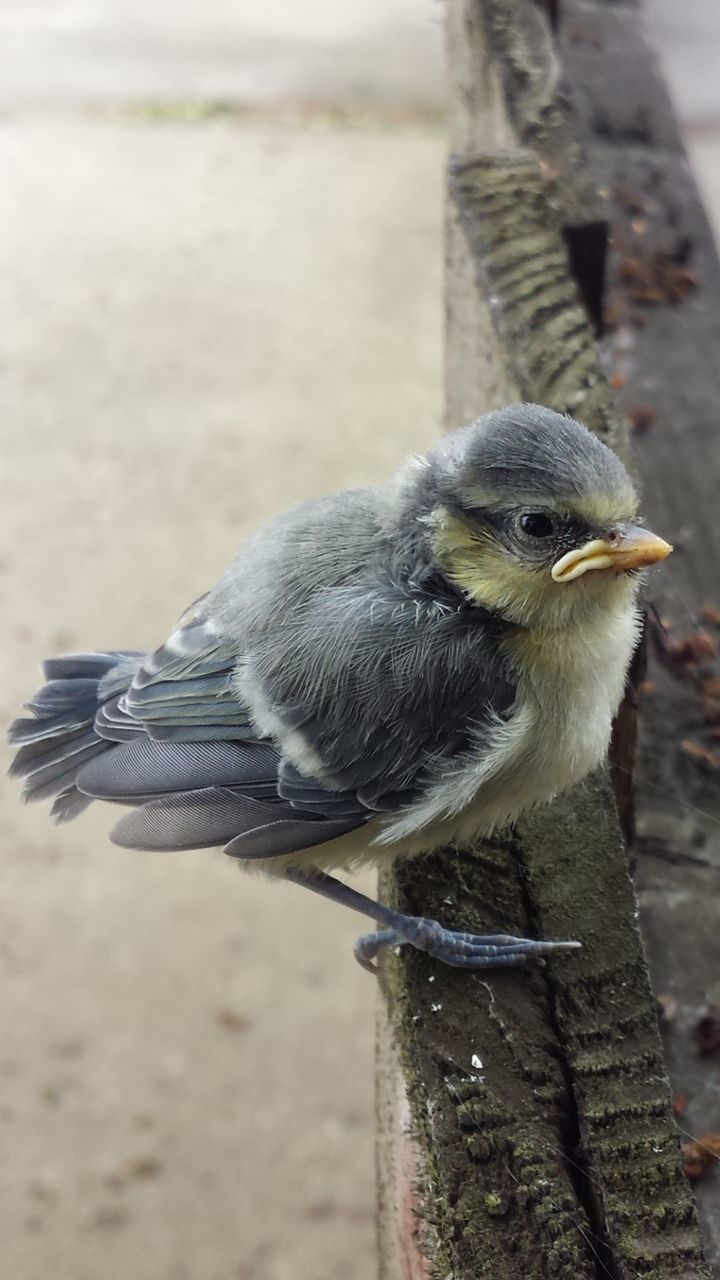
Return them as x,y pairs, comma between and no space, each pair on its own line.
525,1124
663,345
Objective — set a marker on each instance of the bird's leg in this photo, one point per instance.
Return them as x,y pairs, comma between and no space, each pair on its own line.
454,947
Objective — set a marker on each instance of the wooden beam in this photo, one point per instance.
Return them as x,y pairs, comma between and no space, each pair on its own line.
663,336
525,1127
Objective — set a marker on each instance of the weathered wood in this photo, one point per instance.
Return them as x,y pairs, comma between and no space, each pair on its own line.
539,1136
667,350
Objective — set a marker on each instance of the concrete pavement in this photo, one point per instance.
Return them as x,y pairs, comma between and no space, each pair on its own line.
79,52
207,325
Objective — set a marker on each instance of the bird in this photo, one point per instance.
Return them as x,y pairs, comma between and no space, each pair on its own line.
380,674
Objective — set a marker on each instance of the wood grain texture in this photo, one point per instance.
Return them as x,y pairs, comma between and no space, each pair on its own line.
664,356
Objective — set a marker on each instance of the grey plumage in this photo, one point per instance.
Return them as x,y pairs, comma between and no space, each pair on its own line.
195,819
60,737
143,768
286,836
526,453
47,772
340,673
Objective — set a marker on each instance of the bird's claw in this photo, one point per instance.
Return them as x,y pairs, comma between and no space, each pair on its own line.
457,948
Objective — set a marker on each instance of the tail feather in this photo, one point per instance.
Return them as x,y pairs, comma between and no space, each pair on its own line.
25,732
58,696
69,804
34,748
52,771
60,737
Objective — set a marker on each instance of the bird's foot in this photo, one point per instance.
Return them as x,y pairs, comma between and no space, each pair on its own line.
455,947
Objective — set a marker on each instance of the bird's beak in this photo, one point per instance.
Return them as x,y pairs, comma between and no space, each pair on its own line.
627,546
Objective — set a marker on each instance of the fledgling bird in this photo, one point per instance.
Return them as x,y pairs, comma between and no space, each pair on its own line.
380,674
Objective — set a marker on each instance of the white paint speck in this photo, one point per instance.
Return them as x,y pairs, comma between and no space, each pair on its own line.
431,978
436,1008
476,1062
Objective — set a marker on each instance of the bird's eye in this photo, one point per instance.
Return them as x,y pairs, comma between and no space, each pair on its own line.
537,524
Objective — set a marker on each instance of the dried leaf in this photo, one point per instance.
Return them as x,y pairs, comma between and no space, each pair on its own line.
642,418
632,200
701,1155
231,1020
697,751
657,279
695,647
611,315
710,614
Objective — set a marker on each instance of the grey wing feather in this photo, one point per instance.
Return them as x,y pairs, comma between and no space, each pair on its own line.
203,732
97,666
289,835
167,734
183,752
217,816
115,725
395,706
145,768
186,683
190,820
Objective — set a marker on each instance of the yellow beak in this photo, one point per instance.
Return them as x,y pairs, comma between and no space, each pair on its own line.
628,546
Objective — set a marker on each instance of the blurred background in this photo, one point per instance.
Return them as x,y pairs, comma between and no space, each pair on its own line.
220,292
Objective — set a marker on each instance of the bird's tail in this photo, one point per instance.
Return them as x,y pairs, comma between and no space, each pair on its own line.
60,736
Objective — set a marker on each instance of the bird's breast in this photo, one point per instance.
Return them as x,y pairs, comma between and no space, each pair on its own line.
572,683
569,685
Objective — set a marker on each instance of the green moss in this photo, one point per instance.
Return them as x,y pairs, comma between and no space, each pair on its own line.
496,1205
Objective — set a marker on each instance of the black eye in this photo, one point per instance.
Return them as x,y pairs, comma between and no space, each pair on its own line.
537,525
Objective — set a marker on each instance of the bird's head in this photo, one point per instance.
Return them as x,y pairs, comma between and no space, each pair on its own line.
532,516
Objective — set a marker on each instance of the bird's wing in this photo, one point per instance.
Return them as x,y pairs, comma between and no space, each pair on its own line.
378,713
183,752
182,692
374,694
